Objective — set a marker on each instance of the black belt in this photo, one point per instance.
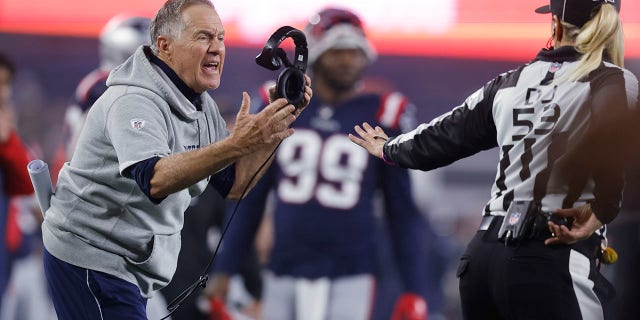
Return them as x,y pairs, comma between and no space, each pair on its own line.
541,231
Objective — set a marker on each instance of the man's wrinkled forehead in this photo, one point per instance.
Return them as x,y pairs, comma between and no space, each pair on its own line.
201,17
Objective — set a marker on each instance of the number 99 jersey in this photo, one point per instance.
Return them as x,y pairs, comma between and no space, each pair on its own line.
324,188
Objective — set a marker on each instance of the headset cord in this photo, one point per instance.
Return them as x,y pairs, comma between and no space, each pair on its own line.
202,280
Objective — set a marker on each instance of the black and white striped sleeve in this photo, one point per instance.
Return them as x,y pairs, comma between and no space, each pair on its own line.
462,132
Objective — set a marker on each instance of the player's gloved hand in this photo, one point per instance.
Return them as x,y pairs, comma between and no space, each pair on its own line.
410,306
217,310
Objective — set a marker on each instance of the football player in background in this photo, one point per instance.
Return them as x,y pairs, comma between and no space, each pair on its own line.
119,39
323,261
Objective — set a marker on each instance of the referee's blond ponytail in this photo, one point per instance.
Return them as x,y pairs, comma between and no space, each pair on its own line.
600,35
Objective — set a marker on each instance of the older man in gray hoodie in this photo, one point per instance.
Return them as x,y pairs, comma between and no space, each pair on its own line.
152,141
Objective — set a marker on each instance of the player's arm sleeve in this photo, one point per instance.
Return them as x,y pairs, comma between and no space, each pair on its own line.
462,132
14,158
608,142
407,229
223,180
406,225
243,225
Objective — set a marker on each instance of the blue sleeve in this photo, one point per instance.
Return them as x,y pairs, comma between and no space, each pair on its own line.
223,180
93,94
407,229
142,172
240,236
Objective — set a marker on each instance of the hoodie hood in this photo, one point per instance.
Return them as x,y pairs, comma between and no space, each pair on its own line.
138,71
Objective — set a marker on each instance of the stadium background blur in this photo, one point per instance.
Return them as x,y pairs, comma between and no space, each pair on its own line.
436,53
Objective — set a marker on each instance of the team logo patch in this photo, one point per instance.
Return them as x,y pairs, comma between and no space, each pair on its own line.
137,124
515,217
555,67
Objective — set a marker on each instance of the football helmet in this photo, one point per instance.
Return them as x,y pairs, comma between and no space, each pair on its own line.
120,38
336,28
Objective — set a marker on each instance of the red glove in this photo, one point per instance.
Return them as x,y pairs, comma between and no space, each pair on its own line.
410,307
217,310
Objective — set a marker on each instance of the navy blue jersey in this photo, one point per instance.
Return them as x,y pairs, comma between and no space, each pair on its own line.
88,91
90,88
324,188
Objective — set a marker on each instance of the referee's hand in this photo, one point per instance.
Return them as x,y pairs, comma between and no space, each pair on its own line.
372,139
584,225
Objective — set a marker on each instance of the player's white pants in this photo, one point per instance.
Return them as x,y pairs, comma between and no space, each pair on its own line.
288,298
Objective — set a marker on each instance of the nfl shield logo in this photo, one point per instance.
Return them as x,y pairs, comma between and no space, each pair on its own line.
137,124
514,218
555,67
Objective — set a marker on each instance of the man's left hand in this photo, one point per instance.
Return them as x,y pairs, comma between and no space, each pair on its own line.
308,93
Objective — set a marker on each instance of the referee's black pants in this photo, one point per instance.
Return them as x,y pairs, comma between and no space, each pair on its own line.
530,280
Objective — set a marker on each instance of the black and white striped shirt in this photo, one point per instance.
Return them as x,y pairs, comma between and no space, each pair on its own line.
559,143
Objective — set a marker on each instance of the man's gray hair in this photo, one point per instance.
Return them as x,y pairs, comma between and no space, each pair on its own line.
168,20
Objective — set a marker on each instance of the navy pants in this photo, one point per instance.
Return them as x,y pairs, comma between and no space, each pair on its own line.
80,293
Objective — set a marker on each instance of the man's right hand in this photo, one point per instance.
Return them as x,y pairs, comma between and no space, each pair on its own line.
267,127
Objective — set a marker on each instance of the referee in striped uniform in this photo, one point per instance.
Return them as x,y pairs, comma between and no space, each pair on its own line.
562,124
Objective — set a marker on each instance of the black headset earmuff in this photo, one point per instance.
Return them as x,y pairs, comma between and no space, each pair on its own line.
290,83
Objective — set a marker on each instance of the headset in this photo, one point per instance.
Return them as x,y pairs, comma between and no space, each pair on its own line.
290,83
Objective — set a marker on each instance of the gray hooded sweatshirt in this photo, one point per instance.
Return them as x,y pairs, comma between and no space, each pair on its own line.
99,218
